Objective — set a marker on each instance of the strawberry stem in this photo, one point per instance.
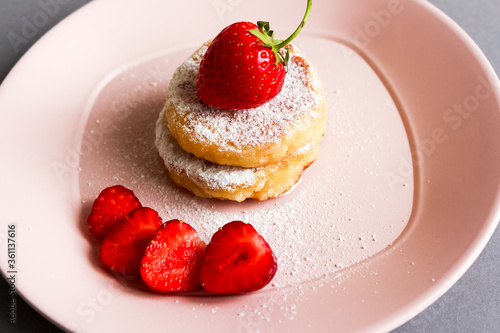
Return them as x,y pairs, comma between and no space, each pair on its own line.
297,31
266,36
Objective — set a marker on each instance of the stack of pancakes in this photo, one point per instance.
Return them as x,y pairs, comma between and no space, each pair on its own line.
255,153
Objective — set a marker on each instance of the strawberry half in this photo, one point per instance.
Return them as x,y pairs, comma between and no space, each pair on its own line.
172,260
123,248
244,66
112,204
237,260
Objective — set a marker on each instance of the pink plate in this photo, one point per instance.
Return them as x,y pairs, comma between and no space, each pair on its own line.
400,202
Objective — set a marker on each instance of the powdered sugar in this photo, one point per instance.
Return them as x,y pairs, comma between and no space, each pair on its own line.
232,129
223,177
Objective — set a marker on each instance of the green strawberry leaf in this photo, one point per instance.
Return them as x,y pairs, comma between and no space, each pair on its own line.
266,36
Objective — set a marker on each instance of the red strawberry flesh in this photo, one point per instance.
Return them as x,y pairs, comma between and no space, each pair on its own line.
123,248
172,260
237,260
112,205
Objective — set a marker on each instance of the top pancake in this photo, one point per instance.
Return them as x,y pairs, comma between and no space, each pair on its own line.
249,137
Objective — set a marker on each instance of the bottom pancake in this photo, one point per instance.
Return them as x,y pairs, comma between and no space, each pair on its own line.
210,180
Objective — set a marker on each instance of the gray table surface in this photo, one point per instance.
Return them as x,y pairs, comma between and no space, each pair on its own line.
471,305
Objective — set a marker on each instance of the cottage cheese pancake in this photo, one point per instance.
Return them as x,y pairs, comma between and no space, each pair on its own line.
210,180
248,137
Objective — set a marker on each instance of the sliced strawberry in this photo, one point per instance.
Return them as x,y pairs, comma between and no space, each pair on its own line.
123,247
172,260
112,204
237,260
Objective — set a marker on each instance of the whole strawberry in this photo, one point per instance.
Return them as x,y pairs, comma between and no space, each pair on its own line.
244,66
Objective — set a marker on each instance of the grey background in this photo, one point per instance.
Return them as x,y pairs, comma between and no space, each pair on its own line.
471,305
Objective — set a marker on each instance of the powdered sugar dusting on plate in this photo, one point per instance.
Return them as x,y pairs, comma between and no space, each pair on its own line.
344,210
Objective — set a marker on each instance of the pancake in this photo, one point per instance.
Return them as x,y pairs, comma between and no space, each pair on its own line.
210,180
249,137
